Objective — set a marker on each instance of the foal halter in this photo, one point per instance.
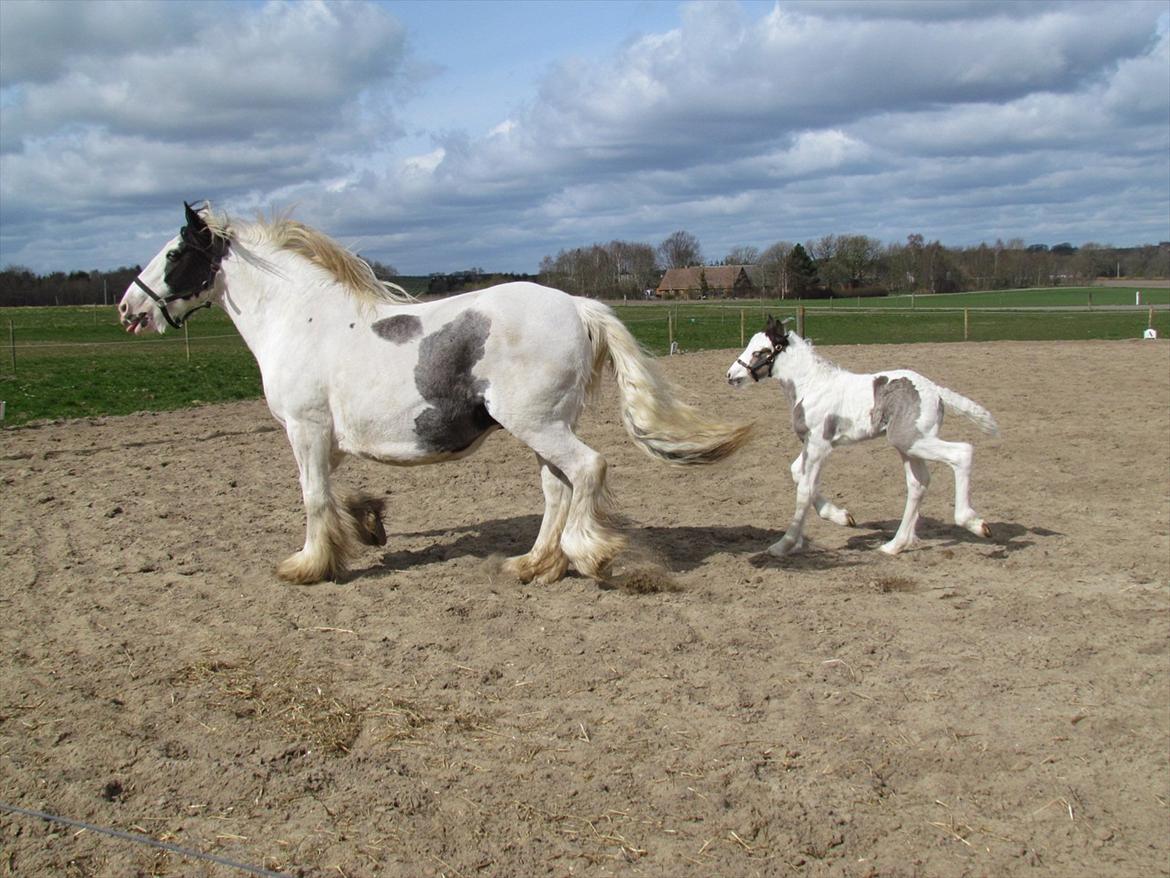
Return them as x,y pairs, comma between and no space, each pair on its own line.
768,361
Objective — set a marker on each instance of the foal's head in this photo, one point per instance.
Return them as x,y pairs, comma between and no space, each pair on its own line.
759,358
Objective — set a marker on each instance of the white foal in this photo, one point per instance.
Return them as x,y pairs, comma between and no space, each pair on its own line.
832,406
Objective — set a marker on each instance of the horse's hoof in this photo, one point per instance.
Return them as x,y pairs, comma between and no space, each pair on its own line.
890,548
850,521
986,530
300,569
520,567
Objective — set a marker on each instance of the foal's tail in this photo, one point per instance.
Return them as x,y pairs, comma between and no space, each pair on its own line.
662,424
968,408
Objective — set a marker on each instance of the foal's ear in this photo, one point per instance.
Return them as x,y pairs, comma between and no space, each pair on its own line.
776,333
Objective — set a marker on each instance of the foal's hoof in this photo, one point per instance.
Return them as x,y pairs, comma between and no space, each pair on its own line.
850,521
784,547
978,527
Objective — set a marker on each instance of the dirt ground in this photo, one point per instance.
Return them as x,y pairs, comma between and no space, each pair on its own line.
969,708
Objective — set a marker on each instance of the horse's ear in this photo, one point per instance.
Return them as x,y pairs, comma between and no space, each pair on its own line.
194,220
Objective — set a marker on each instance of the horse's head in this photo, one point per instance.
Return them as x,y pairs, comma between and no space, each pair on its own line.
759,357
180,279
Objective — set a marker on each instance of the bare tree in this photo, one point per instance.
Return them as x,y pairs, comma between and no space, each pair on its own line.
680,250
742,256
773,265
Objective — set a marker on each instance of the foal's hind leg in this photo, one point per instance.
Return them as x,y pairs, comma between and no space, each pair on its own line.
958,456
917,481
330,528
825,508
545,561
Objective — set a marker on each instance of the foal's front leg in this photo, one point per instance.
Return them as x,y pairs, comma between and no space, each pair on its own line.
330,532
807,485
826,509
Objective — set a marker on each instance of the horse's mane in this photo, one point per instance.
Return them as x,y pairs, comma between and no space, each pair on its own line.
348,269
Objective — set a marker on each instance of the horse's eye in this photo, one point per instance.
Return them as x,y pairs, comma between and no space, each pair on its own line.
172,255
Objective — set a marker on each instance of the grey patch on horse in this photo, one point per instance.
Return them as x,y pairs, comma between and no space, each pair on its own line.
458,415
834,426
399,329
896,407
799,424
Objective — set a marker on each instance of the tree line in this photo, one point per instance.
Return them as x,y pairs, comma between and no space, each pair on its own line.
854,265
832,265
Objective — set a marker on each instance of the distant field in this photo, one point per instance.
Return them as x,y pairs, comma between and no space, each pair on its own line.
77,361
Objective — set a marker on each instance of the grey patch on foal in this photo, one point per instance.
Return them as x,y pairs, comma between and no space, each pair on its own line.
399,329
458,415
896,407
834,426
799,424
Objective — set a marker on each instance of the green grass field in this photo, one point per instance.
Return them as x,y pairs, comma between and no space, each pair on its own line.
77,362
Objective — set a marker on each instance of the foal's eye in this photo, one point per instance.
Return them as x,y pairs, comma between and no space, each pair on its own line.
172,255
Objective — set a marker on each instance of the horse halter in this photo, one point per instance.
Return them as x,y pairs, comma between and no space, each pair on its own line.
214,256
769,361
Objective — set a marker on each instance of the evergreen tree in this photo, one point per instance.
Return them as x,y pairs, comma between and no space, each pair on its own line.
802,271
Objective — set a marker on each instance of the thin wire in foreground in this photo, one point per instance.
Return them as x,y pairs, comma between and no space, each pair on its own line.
143,840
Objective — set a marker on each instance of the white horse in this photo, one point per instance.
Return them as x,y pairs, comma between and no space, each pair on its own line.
353,366
832,406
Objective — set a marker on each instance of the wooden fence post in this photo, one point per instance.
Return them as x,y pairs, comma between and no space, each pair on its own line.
12,344
800,322
966,323
743,318
187,341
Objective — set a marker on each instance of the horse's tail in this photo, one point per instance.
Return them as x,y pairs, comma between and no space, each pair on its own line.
968,408
663,425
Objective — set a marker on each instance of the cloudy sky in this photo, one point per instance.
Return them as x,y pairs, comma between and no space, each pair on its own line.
437,136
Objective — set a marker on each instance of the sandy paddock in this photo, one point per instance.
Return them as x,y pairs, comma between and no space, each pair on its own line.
969,708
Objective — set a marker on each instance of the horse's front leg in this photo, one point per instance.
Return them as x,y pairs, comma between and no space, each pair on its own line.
814,456
330,531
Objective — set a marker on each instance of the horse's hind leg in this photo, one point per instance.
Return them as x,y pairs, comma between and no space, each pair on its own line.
587,539
917,481
959,457
330,528
825,508
545,561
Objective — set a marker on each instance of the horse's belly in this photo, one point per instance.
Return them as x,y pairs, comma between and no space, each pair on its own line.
443,430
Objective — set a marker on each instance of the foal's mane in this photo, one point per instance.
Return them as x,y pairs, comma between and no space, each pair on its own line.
348,269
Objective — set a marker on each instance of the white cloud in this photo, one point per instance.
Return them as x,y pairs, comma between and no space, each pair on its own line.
745,126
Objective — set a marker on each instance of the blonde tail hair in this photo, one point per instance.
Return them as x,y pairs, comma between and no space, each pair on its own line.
660,423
